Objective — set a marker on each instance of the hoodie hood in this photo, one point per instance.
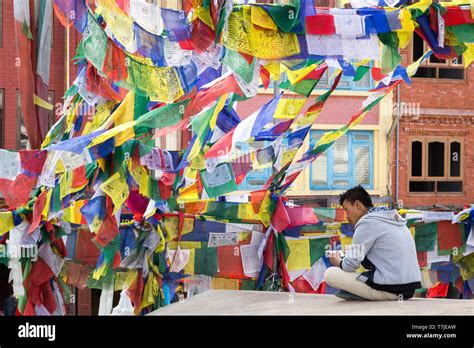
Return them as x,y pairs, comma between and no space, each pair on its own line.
387,216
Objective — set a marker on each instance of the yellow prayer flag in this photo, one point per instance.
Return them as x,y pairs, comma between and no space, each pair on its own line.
298,75
117,189
99,272
72,214
288,108
246,212
162,244
184,245
170,226
217,110
45,211
118,22
263,43
120,133
141,177
287,157
6,222
150,291
408,26
261,18
274,70
225,284
204,15
299,257
189,268
189,193
124,279
264,212
468,55
96,223
345,240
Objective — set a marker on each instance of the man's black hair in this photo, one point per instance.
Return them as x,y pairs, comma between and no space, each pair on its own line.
357,193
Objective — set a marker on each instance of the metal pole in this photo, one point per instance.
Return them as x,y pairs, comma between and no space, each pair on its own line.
398,142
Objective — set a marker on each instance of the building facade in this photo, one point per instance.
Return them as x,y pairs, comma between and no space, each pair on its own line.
435,144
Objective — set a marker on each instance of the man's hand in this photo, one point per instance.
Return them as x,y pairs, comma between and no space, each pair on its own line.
335,258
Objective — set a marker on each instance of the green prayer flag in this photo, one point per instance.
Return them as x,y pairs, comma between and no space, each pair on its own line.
426,236
304,87
248,284
220,181
239,64
282,245
94,43
205,261
122,155
111,249
391,58
286,17
317,248
325,214
165,116
223,211
360,72
463,32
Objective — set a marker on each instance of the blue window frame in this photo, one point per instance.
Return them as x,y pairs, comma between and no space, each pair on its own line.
346,83
258,177
364,84
348,162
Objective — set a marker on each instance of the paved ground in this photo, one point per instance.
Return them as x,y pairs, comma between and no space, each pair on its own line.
226,302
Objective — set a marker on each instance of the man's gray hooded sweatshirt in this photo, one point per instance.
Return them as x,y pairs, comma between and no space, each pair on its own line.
383,244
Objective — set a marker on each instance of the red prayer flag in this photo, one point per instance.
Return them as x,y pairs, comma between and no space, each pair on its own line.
107,231
265,77
422,258
230,262
86,250
135,292
302,216
221,147
37,211
17,193
32,161
257,197
209,95
281,218
321,24
449,235
456,16
438,290
377,74
268,253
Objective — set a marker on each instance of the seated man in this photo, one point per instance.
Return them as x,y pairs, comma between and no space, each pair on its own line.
383,244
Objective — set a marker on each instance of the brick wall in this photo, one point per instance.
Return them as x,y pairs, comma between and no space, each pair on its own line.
8,70
446,109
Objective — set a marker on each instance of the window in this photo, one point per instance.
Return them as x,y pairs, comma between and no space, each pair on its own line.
21,136
256,178
436,68
346,82
435,165
348,162
171,141
2,118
